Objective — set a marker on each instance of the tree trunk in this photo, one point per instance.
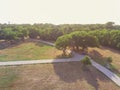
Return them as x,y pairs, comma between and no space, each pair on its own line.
73,47
83,49
64,51
77,48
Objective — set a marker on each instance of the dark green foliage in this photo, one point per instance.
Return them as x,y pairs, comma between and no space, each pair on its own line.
109,59
109,25
83,39
106,34
9,34
62,43
86,60
76,40
108,38
33,33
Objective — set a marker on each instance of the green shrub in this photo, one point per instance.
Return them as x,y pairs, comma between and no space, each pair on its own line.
109,59
86,60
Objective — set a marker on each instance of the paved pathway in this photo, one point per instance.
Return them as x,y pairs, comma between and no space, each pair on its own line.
77,57
107,72
49,43
52,44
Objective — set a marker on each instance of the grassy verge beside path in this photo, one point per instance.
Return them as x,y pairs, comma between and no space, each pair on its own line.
29,51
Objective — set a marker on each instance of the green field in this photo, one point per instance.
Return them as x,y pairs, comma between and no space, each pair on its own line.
28,51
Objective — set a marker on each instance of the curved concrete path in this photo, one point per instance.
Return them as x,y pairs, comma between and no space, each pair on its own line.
77,57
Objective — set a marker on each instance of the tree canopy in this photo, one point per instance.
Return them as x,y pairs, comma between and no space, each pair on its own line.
75,40
108,34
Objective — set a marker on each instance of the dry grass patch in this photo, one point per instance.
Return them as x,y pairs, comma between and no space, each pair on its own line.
100,53
59,76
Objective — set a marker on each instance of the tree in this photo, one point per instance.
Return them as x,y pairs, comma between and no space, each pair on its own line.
84,39
62,43
10,35
33,32
110,38
82,34
109,25
75,40
89,41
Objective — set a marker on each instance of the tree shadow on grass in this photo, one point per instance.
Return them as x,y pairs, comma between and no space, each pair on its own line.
8,44
95,55
99,58
74,71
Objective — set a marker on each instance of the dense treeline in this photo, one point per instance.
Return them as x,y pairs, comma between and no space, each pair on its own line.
108,34
48,31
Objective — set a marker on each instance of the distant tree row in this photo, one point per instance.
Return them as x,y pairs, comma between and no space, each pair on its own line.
48,31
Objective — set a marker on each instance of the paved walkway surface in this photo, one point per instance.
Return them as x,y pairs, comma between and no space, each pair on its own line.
47,43
77,57
107,72
42,41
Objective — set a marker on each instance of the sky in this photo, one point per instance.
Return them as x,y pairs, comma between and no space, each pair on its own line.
59,11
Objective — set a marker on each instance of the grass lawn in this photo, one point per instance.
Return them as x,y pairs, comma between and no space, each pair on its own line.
58,76
99,53
29,51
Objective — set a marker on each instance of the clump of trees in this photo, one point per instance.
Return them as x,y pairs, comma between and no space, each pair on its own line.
84,40
76,40
63,42
13,33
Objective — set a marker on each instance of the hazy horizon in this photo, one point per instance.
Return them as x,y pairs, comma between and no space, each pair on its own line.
59,11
